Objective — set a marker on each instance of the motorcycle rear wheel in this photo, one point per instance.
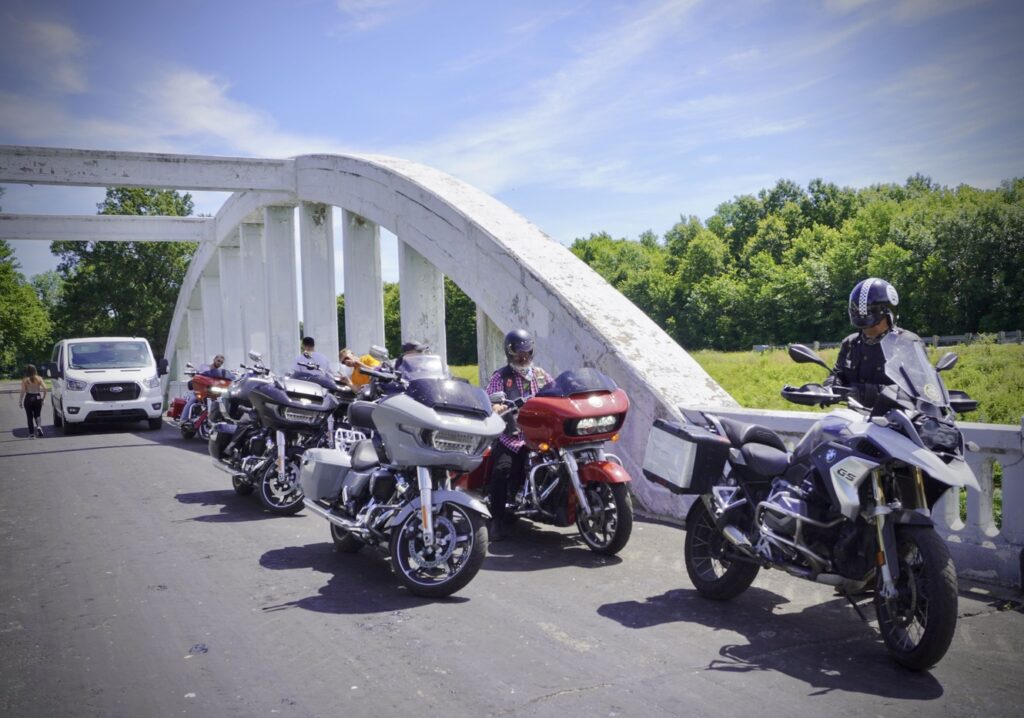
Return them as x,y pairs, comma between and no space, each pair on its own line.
282,497
188,433
460,546
713,576
918,624
608,528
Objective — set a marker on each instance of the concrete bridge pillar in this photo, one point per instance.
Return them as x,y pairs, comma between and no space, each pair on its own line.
319,296
489,346
213,334
196,336
282,293
421,292
253,296
229,261
364,288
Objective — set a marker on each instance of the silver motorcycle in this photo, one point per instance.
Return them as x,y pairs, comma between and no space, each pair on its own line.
394,490
850,506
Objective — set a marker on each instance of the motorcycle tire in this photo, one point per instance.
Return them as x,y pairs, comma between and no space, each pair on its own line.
278,498
345,542
713,577
241,487
918,624
607,530
187,433
204,431
460,540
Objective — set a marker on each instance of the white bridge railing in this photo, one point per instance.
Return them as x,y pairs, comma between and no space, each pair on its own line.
981,550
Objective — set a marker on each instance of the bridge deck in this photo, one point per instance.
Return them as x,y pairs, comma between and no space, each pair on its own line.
134,582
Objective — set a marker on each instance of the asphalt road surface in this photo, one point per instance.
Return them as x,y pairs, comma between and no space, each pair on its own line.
134,582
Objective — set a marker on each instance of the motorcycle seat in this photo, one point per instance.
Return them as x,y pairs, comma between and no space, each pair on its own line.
742,434
765,460
359,414
364,456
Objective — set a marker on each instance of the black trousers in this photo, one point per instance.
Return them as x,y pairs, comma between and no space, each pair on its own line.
33,407
507,468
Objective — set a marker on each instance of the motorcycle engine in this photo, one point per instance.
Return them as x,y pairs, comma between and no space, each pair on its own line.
786,503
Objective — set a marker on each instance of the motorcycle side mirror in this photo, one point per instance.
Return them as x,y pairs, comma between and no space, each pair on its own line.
378,352
255,356
948,361
189,365
497,397
804,355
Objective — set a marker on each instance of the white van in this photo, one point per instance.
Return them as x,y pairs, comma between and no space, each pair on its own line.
105,379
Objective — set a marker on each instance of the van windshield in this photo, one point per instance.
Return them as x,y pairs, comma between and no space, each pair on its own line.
108,355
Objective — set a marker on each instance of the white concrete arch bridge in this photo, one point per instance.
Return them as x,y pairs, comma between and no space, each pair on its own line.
240,291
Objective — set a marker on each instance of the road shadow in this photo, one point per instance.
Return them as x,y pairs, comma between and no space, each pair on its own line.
232,507
360,583
534,547
825,645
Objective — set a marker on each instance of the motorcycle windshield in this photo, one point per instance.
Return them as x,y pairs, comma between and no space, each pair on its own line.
423,366
450,394
578,381
907,365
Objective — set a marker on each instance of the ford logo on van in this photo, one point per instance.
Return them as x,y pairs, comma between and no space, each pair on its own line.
116,389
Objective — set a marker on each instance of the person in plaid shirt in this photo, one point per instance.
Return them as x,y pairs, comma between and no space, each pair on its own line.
517,379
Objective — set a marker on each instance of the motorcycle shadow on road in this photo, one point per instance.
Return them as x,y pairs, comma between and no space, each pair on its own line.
233,508
360,583
826,645
532,548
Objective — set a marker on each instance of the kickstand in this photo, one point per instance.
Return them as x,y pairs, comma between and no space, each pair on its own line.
856,608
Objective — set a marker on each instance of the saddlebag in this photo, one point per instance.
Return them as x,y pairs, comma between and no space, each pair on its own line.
322,473
684,458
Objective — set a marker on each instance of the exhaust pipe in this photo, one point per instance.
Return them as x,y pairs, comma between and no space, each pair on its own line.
351,526
225,468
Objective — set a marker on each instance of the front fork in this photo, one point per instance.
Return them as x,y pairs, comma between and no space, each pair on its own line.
887,558
279,436
577,485
426,511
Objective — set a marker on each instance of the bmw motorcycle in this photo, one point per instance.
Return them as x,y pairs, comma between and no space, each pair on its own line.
850,506
266,424
394,490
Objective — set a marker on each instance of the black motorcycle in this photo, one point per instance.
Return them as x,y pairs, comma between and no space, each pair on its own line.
850,506
266,424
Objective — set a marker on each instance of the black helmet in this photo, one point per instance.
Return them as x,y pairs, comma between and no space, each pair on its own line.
872,300
519,345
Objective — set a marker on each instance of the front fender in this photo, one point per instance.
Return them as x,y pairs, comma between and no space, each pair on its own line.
441,496
606,472
956,473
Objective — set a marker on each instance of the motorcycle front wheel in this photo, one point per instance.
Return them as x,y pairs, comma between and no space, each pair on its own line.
281,495
713,576
607,529
918,624
459,549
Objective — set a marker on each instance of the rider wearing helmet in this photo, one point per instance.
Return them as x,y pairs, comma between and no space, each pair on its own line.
518,378
861,362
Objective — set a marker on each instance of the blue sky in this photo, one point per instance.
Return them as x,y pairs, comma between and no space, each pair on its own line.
584,116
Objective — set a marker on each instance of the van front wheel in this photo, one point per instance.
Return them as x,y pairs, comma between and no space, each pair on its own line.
156,423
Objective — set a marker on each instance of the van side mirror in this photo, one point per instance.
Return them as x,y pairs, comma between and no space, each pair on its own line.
161,366
948,361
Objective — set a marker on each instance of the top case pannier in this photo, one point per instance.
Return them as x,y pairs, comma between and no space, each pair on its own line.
684,458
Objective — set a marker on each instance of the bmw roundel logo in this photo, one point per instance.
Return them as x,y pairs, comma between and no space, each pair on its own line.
830,456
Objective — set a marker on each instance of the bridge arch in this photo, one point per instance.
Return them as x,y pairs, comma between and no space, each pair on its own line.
516,275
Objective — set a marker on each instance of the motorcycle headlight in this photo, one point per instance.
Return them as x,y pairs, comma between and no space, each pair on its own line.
152,382
76,385
300,415
217,390
453,441
593,425
938,436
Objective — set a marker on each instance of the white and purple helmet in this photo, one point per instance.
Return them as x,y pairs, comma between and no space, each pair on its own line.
871,300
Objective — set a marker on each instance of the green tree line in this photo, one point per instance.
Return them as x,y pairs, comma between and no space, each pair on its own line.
778,267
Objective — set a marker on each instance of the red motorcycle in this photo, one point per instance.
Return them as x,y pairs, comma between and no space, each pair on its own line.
206,389
570,478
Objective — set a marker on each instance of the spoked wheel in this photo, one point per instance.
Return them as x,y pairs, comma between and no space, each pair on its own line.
241,486
460,545
712,575
281,494
345,542
204,430
918,624
608,528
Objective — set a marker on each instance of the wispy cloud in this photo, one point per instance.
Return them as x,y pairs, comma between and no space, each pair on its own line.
47,51
364,15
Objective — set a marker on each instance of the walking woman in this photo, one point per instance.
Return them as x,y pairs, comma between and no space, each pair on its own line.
33,391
